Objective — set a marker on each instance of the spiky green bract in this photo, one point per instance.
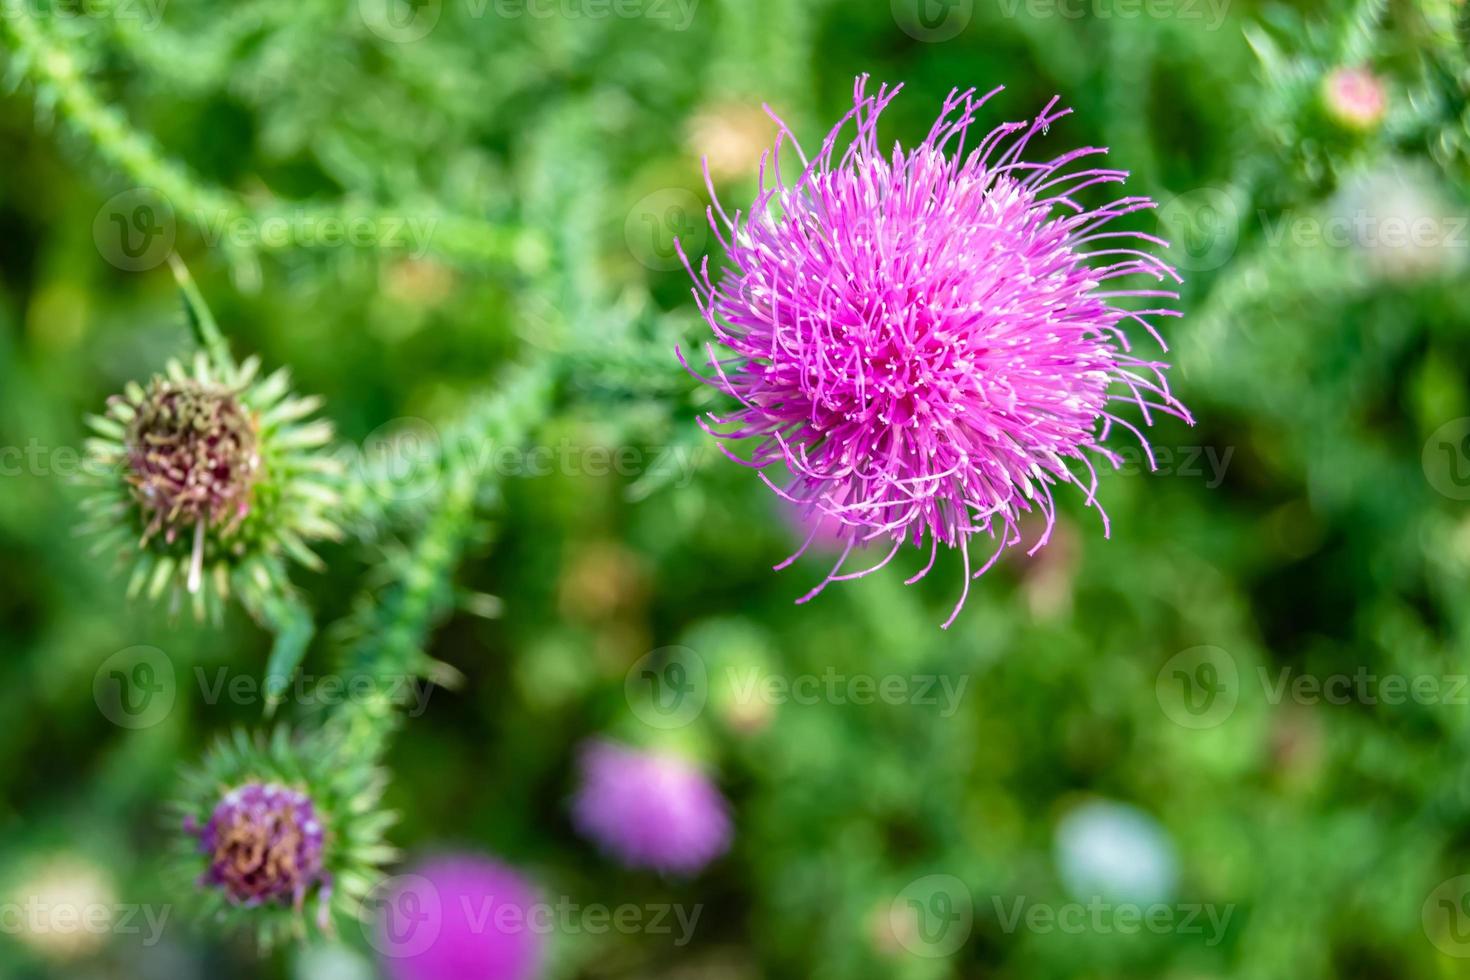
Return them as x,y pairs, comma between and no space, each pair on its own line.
210,480
346,792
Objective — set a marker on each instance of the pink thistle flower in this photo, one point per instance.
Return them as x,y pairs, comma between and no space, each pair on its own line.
462,917
928,342
265,844
649,809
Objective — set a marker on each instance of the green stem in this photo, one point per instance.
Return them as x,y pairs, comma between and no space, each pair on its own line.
395,625
201,320
303,224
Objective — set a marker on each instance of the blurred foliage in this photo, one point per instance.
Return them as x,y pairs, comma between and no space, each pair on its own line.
542,152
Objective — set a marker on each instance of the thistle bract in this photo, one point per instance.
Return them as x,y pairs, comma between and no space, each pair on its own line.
209,479
924,343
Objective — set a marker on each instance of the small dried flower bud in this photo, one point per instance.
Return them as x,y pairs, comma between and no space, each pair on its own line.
264,843
191,457
208,480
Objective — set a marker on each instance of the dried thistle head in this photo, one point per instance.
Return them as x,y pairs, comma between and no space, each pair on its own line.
208,480
191,458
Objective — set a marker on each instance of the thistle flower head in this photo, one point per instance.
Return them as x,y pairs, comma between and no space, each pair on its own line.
209,478
928,341
473,918
649,809
281,831
191,457
264,842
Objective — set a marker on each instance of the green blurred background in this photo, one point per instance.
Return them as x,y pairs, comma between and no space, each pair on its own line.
1198,714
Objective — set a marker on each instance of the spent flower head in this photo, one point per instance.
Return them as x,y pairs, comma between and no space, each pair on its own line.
928,341
209,478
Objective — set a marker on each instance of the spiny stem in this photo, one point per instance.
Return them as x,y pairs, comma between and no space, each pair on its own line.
395,626
201,321
452,236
